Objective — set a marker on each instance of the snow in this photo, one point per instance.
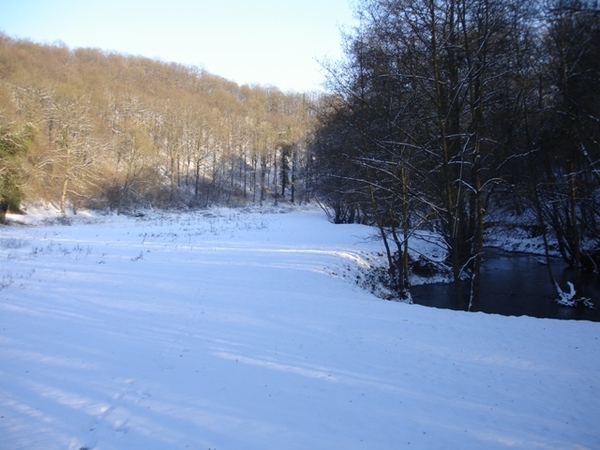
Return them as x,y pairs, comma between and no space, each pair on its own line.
247,330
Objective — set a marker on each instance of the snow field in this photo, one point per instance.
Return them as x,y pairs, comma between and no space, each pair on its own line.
229,330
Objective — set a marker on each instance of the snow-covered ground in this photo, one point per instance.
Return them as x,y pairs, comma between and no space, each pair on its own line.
229,330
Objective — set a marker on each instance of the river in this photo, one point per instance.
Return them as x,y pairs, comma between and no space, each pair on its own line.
515,284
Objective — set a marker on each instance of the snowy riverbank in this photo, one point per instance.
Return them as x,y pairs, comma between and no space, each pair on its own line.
233,330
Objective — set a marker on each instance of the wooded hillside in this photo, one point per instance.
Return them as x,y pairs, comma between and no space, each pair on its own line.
90,128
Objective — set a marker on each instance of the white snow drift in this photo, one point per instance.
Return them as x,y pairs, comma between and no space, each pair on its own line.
229,330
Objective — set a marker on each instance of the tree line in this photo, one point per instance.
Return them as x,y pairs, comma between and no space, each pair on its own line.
88,128
446,113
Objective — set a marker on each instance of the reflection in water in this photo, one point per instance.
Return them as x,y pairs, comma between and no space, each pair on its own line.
515,284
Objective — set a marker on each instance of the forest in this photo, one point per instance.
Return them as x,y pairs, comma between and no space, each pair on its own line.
87,128
451,115
446,115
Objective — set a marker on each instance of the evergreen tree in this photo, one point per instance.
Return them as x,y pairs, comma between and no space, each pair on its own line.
12,146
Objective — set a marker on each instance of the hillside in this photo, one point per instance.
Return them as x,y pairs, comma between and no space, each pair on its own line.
110,130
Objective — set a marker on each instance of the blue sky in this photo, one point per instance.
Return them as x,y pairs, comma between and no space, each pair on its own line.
269,42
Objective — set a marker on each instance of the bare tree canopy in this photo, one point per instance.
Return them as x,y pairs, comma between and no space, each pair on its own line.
446,110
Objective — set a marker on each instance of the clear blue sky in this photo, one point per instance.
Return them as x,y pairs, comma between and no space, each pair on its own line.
270,42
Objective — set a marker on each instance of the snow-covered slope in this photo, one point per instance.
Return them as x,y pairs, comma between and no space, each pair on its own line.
225,330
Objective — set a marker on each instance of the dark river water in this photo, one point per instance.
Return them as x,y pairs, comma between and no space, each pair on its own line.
514,284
